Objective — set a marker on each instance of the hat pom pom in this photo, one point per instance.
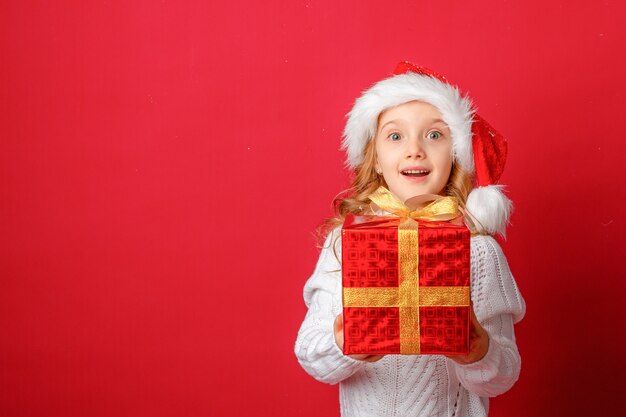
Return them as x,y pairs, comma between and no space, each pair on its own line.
489,209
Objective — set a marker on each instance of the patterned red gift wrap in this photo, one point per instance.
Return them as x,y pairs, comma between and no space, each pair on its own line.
378,319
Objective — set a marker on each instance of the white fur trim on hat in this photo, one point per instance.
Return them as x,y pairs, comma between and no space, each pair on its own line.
363,118
489,209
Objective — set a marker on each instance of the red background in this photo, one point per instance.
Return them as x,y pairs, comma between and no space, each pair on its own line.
165,163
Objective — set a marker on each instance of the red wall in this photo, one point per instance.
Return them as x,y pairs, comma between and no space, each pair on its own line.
164,164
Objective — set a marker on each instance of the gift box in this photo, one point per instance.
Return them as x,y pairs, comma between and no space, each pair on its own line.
405,286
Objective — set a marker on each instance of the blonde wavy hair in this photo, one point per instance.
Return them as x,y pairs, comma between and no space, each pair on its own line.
355,200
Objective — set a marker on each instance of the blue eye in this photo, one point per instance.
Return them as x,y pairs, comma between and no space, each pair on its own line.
434,135
394,136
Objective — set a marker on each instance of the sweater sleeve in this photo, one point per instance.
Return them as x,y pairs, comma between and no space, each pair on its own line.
498,305
315,347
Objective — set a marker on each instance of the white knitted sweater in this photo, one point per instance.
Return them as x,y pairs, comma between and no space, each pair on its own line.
423,385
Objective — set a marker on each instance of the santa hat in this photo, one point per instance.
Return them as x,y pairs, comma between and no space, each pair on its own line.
477,148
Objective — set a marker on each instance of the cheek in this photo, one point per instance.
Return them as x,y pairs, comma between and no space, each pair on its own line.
444,162
382,156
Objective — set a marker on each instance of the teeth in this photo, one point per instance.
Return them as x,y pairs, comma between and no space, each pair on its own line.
416,171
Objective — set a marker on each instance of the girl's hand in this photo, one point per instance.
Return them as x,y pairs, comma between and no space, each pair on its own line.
479,342
339,340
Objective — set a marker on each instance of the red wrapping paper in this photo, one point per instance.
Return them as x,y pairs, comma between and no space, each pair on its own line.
370,260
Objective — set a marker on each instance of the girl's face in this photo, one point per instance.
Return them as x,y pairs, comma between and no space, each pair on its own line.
413,150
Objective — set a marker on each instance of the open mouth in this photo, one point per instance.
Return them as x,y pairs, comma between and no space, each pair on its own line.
415,173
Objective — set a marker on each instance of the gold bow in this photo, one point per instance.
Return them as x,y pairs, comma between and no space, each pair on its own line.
441,209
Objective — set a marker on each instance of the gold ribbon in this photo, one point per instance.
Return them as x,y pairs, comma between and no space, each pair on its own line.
408,296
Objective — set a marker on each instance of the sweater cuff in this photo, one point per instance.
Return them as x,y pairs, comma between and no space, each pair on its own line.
484,377
344,366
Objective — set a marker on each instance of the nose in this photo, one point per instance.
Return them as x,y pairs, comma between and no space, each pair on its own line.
414,149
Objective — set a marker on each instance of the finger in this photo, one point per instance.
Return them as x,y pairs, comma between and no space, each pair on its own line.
338,323
366,357
359,357
338,330
473,318
374,358
477,331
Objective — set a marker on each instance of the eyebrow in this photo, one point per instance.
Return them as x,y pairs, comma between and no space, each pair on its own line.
432,121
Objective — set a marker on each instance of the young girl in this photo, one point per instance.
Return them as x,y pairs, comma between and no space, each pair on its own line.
414,134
